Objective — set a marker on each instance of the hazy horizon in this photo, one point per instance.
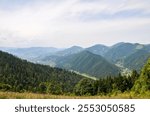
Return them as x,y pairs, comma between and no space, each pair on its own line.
65,23
73,45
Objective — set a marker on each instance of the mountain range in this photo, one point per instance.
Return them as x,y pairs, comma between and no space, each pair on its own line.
20,75
98,60
89,63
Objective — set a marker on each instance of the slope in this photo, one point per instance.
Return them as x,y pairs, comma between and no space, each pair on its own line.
32,53
142,85
69,51
98,49
51,59
121,51
137,60
20,75
89,63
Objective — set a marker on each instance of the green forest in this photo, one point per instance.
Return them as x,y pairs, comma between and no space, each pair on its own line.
17,75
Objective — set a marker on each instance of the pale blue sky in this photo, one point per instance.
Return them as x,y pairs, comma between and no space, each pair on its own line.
63,23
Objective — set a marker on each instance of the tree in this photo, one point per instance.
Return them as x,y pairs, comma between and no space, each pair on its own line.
55,88
142,84
5,87
43,87
85,87
131,79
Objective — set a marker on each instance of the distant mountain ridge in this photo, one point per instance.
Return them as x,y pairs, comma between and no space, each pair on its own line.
30,53
127,55
69,51
98,49
137,59
120,51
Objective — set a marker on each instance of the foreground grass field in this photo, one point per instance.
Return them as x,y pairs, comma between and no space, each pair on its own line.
14,95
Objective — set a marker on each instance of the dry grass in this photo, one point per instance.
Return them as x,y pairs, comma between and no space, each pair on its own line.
15,95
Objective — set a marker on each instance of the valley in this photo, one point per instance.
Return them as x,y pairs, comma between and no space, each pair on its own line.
121,57
119,71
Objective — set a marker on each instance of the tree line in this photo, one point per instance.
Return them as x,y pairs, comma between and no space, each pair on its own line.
21,76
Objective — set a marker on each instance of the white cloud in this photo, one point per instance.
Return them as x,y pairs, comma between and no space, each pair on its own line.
60,23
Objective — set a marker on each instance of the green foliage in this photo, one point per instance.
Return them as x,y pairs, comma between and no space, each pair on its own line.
5,87
85,87
43,87
106,86
114,84
143,83
20,76
89,63
55,88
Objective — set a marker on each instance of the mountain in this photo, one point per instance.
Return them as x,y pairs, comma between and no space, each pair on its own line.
137,60
127,56
69,51
98,49
20,75
120,51
89,63
31,54
117,44
147,47
51,59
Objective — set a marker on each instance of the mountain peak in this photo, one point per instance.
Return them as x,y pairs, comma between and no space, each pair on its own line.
98,49
76,47
118,44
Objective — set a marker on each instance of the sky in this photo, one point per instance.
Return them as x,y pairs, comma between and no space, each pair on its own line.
64,23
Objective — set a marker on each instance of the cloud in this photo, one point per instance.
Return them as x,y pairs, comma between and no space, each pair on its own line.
63,23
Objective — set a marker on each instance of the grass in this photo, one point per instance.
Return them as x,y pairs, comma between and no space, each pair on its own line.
15,95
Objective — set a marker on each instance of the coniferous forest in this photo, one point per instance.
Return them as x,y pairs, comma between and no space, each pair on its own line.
17,75
75,48
20,76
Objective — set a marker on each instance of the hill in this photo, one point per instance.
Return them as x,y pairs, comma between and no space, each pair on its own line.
127,56
32,53
98,49
142,85
120,51
89,63
51,59
69,51
137,60
20,75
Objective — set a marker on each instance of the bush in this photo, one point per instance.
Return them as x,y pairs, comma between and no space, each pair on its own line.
85,87
5,87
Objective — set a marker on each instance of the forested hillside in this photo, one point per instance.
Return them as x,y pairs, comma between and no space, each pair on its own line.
143,83
134,85
137,60
120,51
127,56
20,75
98,49
89,63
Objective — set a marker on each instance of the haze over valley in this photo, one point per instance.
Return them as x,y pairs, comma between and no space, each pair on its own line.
98,60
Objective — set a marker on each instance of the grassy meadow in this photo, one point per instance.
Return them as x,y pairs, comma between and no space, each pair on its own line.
15,95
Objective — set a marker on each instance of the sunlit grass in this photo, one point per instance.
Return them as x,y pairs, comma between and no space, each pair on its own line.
15,95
